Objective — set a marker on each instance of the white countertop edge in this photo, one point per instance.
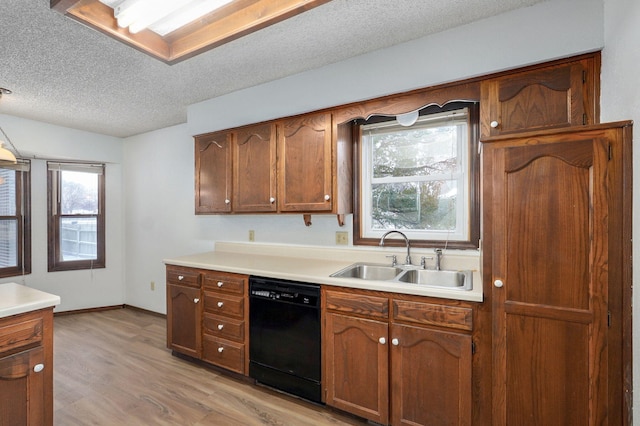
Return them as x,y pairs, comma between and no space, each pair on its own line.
315,271
18,299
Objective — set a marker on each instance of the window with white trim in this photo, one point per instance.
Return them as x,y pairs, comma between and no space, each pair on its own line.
418,179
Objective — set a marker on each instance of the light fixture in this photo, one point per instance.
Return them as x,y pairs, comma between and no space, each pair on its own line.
161,17
5,154
407,119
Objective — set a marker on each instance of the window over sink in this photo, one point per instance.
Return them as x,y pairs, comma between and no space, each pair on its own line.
421,179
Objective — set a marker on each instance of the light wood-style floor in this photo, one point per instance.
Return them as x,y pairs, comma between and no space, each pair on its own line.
113,368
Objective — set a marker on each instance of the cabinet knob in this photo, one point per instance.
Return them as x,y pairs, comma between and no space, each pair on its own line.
220,326
498,283
220,349
227,201
382,340
395,342
494,124
38,368
327,197
272,200
196,300
220,304
180,277
220,283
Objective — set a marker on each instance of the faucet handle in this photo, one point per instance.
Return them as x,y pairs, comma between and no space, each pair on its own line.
394,259
423,261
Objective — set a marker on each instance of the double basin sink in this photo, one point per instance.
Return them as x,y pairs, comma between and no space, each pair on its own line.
458,280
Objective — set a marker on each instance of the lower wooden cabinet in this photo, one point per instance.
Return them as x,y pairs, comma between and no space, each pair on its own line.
408,366
26,369
206,316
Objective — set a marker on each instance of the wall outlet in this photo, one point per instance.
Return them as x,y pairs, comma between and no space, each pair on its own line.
342,238
152,285
252,235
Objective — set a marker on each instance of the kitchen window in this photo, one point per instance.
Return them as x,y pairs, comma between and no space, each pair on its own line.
15,219
76,225
421,179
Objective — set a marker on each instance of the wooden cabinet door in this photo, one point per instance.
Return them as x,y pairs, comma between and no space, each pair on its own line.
305,164
430,376
213,173
23,390
557,96
184,314
549,213
254,183
357,366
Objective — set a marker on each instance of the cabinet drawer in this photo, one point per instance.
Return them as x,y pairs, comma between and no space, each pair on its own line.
224,353
20,334
431,314
183,277
370,306
224,283
224,327
223,304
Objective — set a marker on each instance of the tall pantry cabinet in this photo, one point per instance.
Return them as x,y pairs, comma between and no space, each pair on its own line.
556,231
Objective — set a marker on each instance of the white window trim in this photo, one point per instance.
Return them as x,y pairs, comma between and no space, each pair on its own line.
462,178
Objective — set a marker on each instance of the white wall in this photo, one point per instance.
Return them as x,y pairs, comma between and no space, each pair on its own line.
77,289
620,100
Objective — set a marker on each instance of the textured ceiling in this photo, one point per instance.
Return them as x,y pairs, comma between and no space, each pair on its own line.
64,73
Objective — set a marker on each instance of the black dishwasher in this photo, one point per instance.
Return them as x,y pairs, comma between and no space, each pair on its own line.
284,336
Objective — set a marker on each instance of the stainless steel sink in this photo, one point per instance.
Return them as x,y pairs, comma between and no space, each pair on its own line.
369,271
459,280
450,279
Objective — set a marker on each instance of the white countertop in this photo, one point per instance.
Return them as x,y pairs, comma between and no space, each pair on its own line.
313,265
18,299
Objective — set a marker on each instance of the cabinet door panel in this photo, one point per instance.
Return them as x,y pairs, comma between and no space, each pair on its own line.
430,377
550,220
213,173
557,96
22,390
184,319
255,169
357,374
305,164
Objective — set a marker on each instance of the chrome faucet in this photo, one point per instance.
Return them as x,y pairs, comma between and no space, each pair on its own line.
438,258
407,261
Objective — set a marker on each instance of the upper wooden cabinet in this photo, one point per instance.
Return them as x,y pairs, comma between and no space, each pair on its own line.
296,165
254,174
304,167
558,95
213,172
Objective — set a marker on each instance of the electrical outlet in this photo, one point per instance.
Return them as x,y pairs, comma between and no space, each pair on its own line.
152,285
342,238
252,235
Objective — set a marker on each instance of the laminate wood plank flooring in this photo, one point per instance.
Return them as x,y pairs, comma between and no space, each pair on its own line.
113,368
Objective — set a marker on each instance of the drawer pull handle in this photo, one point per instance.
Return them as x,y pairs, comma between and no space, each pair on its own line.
220,326
395,342
220,304
494,124
180,277
38,368
382,340
498,283
196,300
272,200
220,283
220,349
327,197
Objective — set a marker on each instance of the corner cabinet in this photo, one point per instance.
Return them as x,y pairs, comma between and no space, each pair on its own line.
409,366
557,239
26,369
213,171
207,316
540,98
